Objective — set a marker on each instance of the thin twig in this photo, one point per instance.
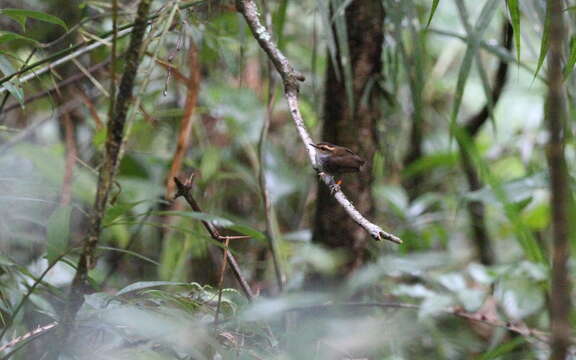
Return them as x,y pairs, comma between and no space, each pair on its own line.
28,335
7,95
291,79
60,61
72,79
82,46
184,190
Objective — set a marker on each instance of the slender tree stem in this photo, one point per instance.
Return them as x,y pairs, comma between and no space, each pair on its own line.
106,179
561,197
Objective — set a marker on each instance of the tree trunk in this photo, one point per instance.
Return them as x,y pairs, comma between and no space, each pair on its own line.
352,125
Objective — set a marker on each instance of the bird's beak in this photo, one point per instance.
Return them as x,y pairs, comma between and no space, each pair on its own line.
314,146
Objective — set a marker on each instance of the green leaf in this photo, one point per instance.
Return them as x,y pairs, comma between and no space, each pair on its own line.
210,163
537,217
99,137
545,42
249,231
514,10
58,233
149,284
11,86
429,162
128,252
19,19
20,15
434,6
118,210
6,36
571,59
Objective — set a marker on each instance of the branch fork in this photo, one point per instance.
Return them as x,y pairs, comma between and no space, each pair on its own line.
184,189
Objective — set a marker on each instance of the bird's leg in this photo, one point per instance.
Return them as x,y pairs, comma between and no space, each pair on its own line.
334,185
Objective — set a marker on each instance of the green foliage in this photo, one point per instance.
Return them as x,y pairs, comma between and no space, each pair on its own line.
432,11
156,280
12,86
6,36
569,67
58,230
514,11
21,16
545,42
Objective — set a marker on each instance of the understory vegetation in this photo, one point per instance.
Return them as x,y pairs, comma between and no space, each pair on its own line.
161,197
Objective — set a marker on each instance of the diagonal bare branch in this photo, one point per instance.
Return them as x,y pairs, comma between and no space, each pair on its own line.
291,79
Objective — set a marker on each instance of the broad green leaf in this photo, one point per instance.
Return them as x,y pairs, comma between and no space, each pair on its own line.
118,210
432,11
248,231
218,221
20,15
429,162
569,67
6,36
58,233
11,86
514,10
20,19
537,217
210,163
149,284
99,137
16,92
545,42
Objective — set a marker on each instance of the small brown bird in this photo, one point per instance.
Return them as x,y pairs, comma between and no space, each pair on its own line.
334,160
